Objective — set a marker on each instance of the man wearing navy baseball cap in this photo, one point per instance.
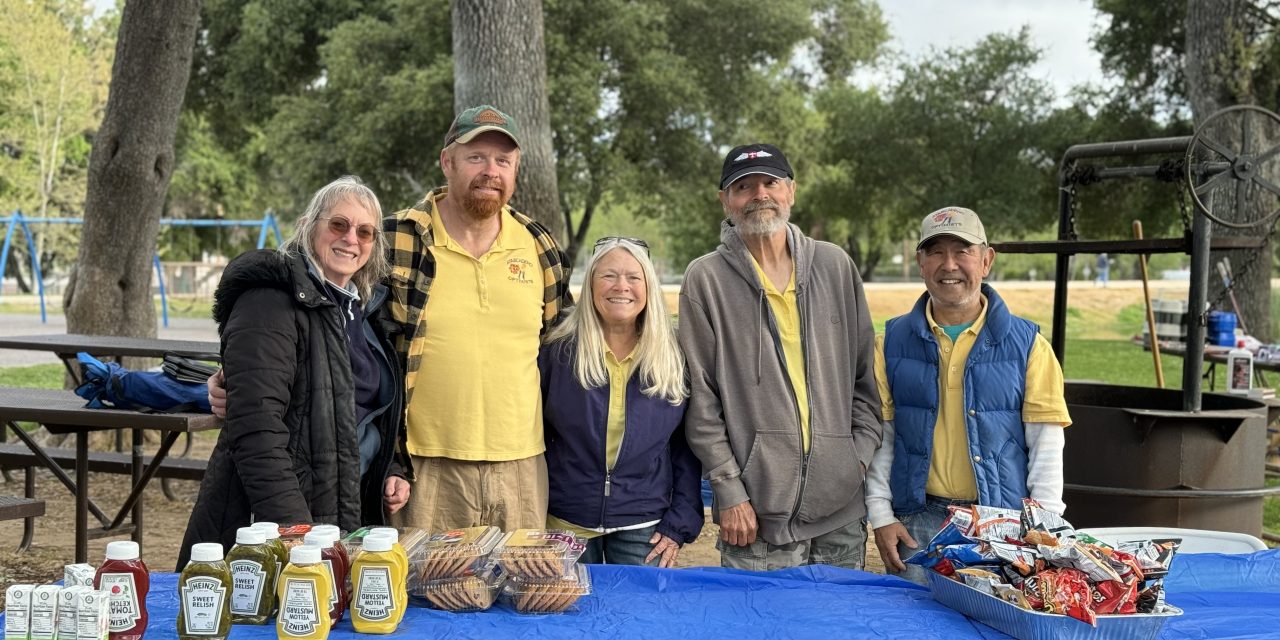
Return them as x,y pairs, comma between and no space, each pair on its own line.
784,411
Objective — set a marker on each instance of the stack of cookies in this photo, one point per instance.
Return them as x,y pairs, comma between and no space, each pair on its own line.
543,575
453,571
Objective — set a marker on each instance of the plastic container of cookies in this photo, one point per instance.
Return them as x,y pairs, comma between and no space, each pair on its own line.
548,595
453,554
538,553
467,593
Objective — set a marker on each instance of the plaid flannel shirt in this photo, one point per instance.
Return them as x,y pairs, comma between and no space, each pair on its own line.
413,268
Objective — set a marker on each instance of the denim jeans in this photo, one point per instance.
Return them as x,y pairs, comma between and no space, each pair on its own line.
621,547
844,547
923,526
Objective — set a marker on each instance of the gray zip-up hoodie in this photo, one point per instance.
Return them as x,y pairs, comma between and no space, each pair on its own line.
742,420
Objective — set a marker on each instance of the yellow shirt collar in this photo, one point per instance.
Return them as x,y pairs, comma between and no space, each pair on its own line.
974,328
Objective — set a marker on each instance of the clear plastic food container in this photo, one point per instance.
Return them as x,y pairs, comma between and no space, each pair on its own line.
548,595
468,593
454,554
538,553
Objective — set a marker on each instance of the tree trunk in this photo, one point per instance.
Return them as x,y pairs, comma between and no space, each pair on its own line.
1218,75
129,170
500,58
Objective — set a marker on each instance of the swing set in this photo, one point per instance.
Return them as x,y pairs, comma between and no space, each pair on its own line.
16,220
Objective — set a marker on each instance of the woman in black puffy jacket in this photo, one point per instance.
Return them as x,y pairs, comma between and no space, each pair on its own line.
314,400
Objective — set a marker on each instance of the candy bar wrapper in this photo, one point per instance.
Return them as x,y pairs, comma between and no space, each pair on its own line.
1067,591
946,560
1078,555
1042,527
986,524
980,579
1025,560
1151,599
1153,556
1033,588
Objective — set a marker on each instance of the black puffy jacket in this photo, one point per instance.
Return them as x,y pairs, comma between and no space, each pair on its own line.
288,451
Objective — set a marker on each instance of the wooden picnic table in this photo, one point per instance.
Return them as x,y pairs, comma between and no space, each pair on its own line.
65,411
67,345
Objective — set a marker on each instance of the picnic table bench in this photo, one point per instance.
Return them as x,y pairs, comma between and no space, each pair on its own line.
63,410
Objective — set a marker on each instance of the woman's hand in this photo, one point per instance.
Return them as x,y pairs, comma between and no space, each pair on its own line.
395,493
663,547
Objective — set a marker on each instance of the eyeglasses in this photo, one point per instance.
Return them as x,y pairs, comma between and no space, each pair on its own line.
365,233
607,239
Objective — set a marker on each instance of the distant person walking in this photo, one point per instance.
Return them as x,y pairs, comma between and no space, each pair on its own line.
1104,270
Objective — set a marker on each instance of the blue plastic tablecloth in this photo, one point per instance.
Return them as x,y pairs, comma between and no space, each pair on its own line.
1222,596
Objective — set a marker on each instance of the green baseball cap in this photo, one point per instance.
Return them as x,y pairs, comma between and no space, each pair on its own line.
477,120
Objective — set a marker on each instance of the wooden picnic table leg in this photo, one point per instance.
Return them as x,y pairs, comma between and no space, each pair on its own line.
82,496
55,469
135,496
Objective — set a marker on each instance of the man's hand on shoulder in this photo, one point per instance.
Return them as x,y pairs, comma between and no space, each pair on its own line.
738,524
887,539
217,384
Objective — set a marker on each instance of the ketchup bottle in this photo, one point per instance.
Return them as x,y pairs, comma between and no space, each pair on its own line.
333,562
125,580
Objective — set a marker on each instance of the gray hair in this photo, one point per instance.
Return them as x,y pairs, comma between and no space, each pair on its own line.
346,188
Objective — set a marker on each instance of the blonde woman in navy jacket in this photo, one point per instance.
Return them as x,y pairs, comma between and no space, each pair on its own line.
613,393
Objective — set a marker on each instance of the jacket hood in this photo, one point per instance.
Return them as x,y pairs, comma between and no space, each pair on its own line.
264,268
734,251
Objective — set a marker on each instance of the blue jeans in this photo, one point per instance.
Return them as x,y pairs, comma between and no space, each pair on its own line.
845,547
923,526
621,547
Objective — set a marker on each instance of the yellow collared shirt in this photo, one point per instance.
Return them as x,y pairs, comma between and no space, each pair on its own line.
481,399
786,313
950,469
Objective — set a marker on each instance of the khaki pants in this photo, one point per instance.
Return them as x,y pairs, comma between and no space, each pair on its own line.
451,494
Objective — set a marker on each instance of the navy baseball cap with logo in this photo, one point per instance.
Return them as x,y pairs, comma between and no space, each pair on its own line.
750,159
477,120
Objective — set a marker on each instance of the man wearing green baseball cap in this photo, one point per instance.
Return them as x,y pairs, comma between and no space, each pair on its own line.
474,285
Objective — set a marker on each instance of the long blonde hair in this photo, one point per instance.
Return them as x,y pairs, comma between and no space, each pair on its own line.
324,200
658,360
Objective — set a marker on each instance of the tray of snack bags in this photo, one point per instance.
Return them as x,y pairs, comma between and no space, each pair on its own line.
548,595
463,593
1030,574
454,554
538,553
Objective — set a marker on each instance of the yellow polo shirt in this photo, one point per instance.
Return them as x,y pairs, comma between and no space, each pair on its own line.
786,313
950,469
478,395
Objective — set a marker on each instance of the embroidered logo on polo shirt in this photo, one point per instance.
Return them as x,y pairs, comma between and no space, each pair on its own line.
519,269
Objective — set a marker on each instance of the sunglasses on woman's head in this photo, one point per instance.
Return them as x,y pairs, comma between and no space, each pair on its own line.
607,239
365,233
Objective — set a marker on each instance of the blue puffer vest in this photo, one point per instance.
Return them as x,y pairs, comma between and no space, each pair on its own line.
994,384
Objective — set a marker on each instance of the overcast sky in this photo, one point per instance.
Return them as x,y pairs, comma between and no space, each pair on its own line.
1060,27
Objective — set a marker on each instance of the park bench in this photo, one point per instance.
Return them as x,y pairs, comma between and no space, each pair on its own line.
12,508
64,411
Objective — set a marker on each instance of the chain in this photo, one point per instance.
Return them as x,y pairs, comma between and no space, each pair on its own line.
1184,208
1235,277
1073,202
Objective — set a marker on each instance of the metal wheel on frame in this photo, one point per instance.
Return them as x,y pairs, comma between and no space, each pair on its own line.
1212,164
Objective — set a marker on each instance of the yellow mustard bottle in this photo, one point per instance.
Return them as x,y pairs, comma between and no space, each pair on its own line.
377,587
393,535
303,594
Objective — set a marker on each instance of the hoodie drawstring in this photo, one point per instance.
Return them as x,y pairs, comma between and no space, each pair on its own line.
760,314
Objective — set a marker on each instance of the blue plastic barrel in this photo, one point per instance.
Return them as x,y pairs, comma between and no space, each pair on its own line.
1222,328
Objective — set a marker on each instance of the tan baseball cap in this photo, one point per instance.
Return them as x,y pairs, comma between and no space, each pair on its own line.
952,221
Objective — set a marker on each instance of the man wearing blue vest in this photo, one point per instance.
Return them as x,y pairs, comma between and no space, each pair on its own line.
972,399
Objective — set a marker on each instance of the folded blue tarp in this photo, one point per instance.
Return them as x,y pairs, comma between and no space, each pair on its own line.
1222,596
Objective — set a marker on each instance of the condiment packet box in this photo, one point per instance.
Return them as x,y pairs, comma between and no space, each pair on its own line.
67,622
78,575
93,615
17,611
44,612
